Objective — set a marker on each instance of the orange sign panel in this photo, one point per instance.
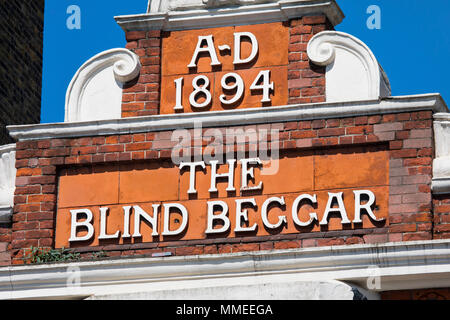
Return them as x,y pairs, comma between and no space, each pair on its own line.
154,201
224,68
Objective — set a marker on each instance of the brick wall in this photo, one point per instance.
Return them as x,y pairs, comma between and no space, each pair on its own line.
141,97
5,240
406,136
21,36
306,81
441,220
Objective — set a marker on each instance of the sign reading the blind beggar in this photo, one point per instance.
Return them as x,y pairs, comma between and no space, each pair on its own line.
225,68
160,201
167,200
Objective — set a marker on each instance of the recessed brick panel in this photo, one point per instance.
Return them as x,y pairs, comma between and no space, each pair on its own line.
413,214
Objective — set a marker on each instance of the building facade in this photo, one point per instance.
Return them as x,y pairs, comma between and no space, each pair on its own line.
233,149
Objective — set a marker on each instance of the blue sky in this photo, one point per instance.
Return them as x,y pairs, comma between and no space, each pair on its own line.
413,44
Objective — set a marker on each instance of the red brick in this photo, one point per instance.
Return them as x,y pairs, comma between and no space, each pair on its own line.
403,208
417,236
354,240
185,251
155,42
406,153
422,124
42,198
299,83
245,247
303,134
300,29
330,132
311,74
111,148
287,244
388,118
19,244
375,238
38,234
34,216
318,124
314,19
403,228
417,143
135,35
139,146
395,126
330,242
403,117
361,120
425,152
374,119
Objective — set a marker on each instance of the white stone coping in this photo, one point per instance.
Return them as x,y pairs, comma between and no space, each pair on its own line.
312,111
397,266
442,117
7,148
282,10
440,186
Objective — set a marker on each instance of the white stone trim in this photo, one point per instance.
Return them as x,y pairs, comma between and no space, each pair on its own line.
282,10
7,181
399,266
184,5
121,66
297,112
339,52
441,164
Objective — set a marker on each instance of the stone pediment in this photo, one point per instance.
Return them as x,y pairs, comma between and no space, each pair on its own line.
179,5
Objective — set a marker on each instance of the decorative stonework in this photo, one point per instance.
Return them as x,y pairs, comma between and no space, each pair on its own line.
441,164
174,5
7,181
213,14
95,92
352,71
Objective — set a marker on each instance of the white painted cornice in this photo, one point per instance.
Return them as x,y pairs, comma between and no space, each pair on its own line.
441,163
433,102
281,10
352,71
398,266
95,91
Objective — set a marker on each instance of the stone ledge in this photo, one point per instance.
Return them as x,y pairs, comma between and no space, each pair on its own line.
242,15
312,111
400,266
